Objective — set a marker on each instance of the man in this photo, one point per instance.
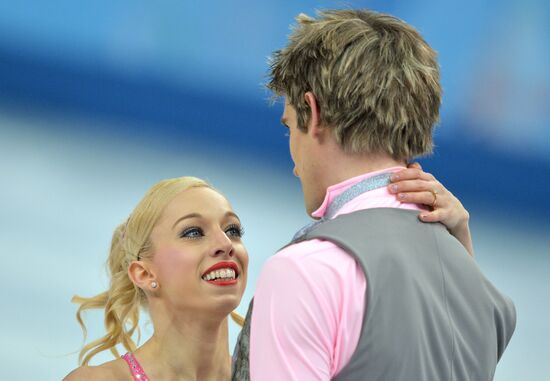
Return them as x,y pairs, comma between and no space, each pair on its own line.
370,292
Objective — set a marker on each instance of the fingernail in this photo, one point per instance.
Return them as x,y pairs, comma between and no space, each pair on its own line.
394,177
422,216
393,188
402,196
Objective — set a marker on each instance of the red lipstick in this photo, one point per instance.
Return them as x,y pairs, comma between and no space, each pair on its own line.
222,265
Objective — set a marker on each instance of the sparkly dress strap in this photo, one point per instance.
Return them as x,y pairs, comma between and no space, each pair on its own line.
137,371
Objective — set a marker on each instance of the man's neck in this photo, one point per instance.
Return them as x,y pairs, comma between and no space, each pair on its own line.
328,164
346,166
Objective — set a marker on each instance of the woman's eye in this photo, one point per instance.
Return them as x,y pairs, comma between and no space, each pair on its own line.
193,232
234,231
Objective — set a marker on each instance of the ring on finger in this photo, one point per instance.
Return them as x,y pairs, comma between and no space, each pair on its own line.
434,203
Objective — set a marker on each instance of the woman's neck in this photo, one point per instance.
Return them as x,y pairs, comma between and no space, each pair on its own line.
187,348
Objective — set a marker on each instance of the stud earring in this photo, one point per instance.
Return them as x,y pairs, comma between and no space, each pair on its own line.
154,284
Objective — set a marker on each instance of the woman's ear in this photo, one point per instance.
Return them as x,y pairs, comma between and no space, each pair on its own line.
142,275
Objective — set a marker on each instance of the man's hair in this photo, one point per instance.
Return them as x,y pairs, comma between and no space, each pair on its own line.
375,79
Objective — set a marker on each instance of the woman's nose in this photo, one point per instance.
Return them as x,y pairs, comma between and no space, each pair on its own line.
224,245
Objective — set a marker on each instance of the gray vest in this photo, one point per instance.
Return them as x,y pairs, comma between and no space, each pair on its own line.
430,313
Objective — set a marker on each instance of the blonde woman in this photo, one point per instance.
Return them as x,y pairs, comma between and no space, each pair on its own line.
180,257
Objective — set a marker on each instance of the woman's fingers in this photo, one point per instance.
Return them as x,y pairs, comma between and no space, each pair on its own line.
426,198
414,165
415,186
437,215
411,174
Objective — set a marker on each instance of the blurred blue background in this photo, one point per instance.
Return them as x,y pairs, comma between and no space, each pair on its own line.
99,100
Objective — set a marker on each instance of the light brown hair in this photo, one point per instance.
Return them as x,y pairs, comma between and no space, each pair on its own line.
374,77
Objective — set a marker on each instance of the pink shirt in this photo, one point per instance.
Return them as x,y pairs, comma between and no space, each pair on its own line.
309,302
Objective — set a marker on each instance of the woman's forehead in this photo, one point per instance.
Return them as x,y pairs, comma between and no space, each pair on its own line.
199,200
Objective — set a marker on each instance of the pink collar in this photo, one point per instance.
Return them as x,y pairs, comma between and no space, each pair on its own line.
336,189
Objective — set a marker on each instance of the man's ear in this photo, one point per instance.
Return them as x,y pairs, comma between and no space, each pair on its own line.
141,274
314,124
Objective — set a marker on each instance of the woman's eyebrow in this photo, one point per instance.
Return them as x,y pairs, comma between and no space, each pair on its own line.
191,215
233,214
198,215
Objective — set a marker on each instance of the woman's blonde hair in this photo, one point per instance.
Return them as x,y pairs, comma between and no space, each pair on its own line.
130,242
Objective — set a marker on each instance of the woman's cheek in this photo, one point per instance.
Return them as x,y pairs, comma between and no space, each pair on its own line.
174,263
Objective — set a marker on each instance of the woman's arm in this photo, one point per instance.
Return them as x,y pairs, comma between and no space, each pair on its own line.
416,186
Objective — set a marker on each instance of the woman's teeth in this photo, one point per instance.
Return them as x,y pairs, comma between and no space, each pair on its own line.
227,274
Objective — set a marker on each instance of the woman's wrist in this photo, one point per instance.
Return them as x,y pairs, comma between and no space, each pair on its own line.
462,232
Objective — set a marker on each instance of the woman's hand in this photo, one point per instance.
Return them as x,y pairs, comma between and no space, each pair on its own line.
416,186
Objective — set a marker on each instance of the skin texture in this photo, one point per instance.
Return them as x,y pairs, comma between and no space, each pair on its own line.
196,230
